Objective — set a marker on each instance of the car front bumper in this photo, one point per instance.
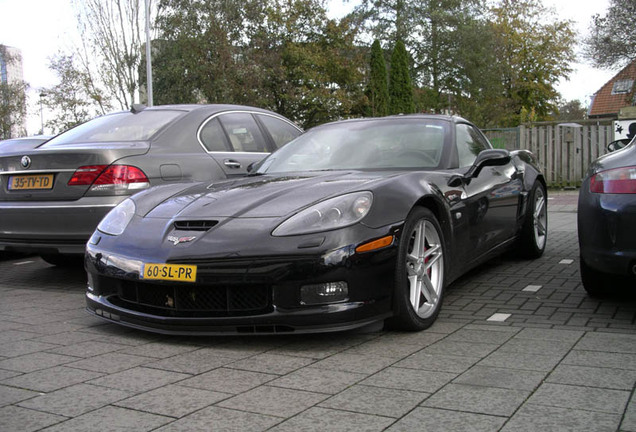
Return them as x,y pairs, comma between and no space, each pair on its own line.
244,295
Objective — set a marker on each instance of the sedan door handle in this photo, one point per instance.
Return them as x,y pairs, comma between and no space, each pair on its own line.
231,163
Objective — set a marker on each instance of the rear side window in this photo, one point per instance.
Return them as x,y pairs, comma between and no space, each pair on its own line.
213,136
281,131
124,126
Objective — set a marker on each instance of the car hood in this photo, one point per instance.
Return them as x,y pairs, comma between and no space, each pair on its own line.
251,197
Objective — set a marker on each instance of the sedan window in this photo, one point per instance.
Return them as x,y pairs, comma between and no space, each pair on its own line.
281,131
244,133
213,136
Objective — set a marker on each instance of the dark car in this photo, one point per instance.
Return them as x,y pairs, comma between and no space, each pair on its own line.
606,221
350,223
52,197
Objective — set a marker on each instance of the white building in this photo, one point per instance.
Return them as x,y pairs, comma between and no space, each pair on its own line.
11,72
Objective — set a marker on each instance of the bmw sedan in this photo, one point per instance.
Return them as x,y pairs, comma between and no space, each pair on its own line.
52,197
606,221
351,223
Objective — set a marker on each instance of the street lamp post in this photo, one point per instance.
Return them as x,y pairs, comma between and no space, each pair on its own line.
42,96
148,58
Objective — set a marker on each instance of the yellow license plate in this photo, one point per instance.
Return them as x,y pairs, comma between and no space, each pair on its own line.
170,272
31,182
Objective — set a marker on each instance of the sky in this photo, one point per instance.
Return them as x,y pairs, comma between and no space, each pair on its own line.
41,28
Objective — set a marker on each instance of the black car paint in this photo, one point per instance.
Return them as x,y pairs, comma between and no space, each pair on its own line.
607,238
481,216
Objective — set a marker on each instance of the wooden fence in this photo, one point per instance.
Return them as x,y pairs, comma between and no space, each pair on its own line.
564,151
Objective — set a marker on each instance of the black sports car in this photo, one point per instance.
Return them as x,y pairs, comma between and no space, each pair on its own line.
350,223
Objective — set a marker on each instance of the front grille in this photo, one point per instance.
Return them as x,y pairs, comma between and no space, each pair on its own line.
195,300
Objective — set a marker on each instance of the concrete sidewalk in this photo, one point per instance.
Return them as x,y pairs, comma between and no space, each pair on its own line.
518,347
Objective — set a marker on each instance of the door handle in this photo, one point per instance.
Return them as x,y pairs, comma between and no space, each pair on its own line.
231,164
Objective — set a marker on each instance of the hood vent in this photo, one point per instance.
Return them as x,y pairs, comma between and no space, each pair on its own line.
195,225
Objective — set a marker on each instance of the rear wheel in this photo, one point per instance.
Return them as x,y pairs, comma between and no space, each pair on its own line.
419,279
534,233
593,281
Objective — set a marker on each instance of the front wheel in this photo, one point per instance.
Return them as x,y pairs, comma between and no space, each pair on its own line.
419,278
534,233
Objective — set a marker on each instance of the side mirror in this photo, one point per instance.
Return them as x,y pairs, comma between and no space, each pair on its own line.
618,144
493,157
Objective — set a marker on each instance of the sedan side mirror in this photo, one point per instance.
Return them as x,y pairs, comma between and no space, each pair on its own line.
492,157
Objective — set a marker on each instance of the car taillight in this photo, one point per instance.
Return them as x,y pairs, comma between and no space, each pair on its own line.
614,181
111,178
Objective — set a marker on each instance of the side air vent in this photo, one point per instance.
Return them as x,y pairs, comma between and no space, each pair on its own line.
196,225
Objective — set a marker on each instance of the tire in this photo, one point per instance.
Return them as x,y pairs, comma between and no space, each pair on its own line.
419,277
62,260
534,233
594,280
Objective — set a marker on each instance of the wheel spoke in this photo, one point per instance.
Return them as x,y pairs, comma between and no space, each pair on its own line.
416,289
429,291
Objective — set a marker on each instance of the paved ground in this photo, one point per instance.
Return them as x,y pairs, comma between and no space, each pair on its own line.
560,361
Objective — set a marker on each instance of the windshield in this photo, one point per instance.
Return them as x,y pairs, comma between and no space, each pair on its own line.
414,143
124,126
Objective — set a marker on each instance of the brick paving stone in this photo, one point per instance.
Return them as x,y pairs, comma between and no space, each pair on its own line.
274,401
173,400
515,379
439,419
318,380
375,400
532,418
321,419
222,419
112,419
578,397
75,400
410,379
228,380
51,379
11,395
271,363
610,378
16,419
138,379
478,399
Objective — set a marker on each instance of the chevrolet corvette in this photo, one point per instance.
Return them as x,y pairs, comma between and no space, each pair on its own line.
351,223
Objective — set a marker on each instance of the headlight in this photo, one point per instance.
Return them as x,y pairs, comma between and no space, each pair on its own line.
327,215
115,222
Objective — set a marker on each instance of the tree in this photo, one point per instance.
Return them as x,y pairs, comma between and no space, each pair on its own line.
378,91
612,41
533,49
74,100
12,100
570,111
400,87
113,38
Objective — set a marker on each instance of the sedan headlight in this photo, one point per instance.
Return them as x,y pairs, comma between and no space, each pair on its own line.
115,222
327,215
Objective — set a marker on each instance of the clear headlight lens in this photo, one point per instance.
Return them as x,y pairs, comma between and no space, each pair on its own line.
327,215
116,221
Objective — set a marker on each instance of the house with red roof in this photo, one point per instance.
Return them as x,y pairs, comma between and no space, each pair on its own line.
618,93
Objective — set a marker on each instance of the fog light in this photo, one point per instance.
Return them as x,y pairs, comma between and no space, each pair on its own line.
330,292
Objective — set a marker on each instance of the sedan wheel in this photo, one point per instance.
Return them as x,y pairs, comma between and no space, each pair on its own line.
420,272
